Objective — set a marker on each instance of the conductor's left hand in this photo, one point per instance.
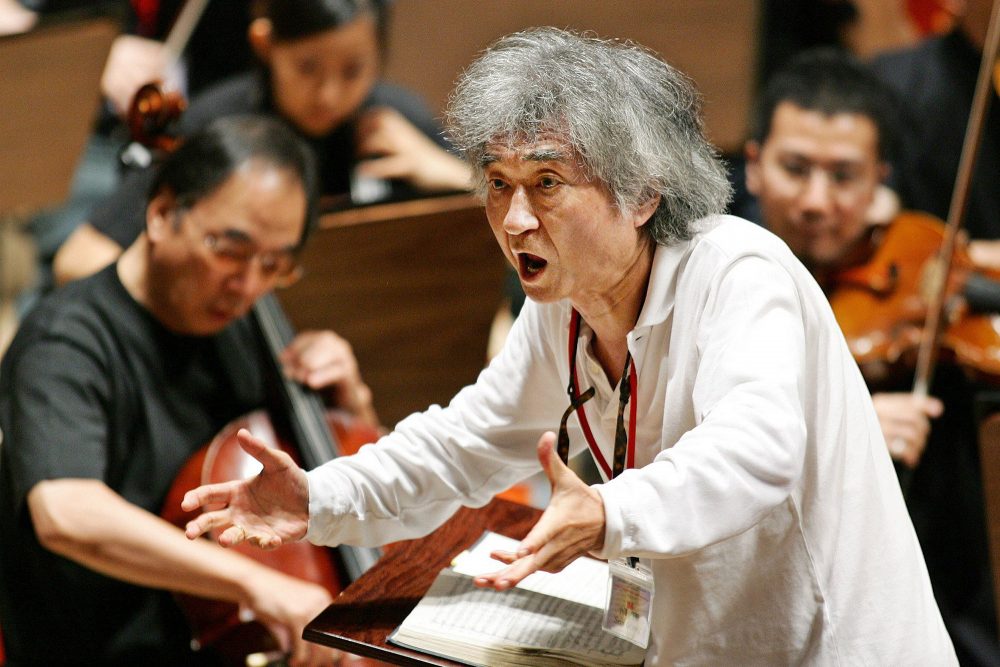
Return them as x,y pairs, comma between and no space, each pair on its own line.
571,526
267,510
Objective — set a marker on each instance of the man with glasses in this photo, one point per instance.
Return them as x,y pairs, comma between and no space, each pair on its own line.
112,383
704,371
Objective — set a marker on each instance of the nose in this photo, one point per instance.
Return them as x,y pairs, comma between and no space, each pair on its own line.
817,195
519,218
249,281
329,92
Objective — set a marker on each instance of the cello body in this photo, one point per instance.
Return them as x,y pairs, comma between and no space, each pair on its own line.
320,435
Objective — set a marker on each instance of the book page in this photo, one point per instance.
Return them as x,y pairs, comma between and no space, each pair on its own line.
552,619
584,581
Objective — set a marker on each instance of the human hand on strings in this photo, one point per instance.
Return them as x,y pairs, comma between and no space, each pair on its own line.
395,149
324,360
905,422
267,510
571,526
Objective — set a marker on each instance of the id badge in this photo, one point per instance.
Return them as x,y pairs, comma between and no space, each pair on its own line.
629,603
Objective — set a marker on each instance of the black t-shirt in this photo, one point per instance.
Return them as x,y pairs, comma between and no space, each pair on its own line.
122,216
94,387
935,82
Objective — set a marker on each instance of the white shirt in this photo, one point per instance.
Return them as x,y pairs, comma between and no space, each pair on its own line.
762,496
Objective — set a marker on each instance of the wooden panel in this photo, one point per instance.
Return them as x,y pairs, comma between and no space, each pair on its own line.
989,456
414,287
49,94
713,41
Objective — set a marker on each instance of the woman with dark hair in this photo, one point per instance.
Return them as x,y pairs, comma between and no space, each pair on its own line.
320,63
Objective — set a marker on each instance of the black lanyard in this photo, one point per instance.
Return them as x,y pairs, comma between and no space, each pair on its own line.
624,453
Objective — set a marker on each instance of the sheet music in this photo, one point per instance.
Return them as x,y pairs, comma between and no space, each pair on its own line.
585,580
548,619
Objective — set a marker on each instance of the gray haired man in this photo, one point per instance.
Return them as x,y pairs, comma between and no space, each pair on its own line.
742,460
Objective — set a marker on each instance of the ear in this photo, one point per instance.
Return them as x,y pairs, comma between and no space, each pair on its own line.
751,152
645,210
259,34
885,169
160,215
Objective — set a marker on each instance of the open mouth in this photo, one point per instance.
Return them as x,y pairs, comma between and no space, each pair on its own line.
530,265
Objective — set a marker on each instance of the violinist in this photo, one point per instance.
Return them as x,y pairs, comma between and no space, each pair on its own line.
320,63
113,382
819,153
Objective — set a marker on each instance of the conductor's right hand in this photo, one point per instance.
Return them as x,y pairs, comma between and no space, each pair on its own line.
267,510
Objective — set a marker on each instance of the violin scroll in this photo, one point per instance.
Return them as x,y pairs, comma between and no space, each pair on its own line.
152,116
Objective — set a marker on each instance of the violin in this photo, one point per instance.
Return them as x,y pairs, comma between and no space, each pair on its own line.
318,436
925,287
882,305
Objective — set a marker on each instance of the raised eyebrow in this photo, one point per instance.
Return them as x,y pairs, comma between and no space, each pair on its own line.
537,155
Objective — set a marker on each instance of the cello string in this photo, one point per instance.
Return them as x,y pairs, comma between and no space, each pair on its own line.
315,437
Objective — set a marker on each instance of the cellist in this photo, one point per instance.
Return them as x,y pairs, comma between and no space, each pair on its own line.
113,382
819,153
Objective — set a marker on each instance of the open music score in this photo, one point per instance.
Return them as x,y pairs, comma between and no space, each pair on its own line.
367,612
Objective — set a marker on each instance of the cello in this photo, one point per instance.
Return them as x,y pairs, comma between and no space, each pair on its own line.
320,435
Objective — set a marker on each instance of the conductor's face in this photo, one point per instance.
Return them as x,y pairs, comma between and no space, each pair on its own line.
558,225
211,262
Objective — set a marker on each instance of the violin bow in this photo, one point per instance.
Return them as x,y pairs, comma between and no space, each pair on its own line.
184,25
929,340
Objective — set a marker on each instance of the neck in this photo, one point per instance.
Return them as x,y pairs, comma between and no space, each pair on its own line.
132,271
614,313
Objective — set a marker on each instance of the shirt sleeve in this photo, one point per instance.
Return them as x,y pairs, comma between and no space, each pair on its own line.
58,418
747,450
414,479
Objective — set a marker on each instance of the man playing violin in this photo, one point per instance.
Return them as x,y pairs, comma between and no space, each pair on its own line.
821,143
114,382
701,367
816,163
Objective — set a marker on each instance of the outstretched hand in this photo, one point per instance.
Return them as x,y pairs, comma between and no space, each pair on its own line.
571,526
267,510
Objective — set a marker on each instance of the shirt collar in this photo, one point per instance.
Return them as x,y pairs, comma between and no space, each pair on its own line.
662,286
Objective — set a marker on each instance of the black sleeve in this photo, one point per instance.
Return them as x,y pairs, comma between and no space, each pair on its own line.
58,415
122,216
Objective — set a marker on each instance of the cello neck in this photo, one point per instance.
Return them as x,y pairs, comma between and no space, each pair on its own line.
307,415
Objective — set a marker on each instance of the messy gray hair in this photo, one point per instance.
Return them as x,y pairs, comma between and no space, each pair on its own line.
633,119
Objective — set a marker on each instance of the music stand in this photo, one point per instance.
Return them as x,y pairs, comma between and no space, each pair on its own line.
361,619
49,91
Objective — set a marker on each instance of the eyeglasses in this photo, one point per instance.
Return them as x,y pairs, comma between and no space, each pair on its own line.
236,252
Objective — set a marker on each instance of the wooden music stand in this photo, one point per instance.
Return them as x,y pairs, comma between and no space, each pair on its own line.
413,286
366,613
49,93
